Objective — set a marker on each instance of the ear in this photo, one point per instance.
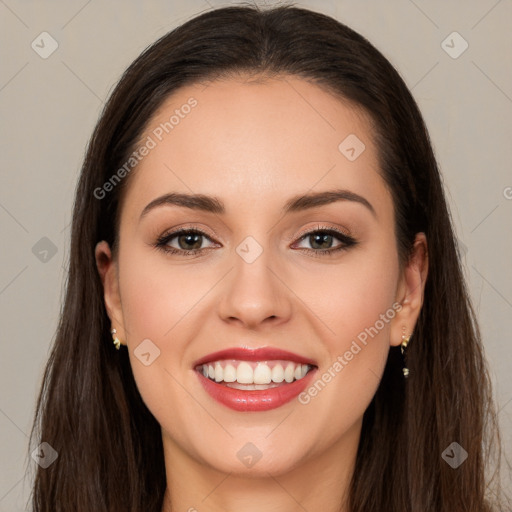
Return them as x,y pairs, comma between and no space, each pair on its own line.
410,291
108,271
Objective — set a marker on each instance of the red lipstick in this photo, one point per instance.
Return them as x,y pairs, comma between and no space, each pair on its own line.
254,400
255,354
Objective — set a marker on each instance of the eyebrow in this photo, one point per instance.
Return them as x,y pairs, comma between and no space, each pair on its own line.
298,203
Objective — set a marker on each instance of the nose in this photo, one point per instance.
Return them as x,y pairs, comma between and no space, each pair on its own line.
254,294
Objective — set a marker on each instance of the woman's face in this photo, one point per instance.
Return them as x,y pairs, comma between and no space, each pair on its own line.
259,280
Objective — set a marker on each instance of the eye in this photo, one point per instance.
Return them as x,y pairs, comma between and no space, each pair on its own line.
188,241
322,238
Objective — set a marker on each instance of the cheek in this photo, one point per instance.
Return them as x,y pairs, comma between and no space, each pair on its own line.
349,296
157,296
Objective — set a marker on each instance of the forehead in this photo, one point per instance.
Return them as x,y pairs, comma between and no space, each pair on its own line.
247,140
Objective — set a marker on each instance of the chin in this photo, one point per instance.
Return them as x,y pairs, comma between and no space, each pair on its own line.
255,459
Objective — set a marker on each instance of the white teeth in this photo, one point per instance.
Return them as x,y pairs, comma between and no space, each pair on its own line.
289,372
277,373
229,373
244,373
262,374
218,372
254,375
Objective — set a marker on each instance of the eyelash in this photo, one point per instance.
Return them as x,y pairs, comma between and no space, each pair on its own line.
347,241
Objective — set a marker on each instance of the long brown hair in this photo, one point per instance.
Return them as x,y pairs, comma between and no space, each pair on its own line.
110,453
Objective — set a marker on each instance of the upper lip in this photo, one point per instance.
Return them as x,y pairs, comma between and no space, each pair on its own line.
254,354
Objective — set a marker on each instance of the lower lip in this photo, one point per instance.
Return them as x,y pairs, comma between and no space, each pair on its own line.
255,400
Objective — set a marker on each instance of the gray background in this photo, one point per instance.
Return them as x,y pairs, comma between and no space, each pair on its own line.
49,107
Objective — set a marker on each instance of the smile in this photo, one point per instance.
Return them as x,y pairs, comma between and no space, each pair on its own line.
254,380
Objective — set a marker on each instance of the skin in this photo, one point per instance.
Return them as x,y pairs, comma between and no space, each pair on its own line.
254,145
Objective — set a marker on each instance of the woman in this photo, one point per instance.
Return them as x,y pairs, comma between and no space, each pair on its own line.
265,308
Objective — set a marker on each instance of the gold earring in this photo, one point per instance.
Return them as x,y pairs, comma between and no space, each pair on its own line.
403,346
117,342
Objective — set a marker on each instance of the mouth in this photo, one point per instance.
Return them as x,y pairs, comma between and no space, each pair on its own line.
254,379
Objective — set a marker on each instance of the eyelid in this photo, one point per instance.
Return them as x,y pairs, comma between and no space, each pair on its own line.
189,227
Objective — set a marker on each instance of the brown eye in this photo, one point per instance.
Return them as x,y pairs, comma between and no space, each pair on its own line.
184,241
189,241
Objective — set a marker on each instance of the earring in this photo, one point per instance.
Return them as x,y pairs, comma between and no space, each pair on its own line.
117,342
403,346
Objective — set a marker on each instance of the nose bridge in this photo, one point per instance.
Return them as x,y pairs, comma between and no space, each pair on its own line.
253,291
